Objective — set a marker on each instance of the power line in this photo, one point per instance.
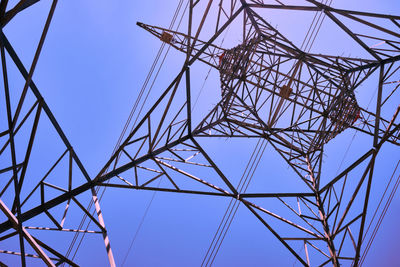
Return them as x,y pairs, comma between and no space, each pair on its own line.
234,203
382,215
155,192
128,122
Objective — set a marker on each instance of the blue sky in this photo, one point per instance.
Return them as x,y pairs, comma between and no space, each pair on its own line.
93,64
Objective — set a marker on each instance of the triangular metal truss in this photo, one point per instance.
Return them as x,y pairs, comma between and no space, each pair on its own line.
270,90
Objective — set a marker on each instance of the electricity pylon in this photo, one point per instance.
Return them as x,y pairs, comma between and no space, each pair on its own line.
296,101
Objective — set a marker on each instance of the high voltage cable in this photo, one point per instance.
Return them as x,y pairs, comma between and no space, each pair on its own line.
324,88
382,215
140,96
226,226
140,224
211,248
234,203
126,125
155,192
232,208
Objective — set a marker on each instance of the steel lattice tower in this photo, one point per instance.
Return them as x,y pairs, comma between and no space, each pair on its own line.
296,101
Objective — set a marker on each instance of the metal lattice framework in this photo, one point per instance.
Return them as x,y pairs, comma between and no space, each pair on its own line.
271,90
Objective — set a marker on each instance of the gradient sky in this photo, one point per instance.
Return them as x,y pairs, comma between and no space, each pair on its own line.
94,62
